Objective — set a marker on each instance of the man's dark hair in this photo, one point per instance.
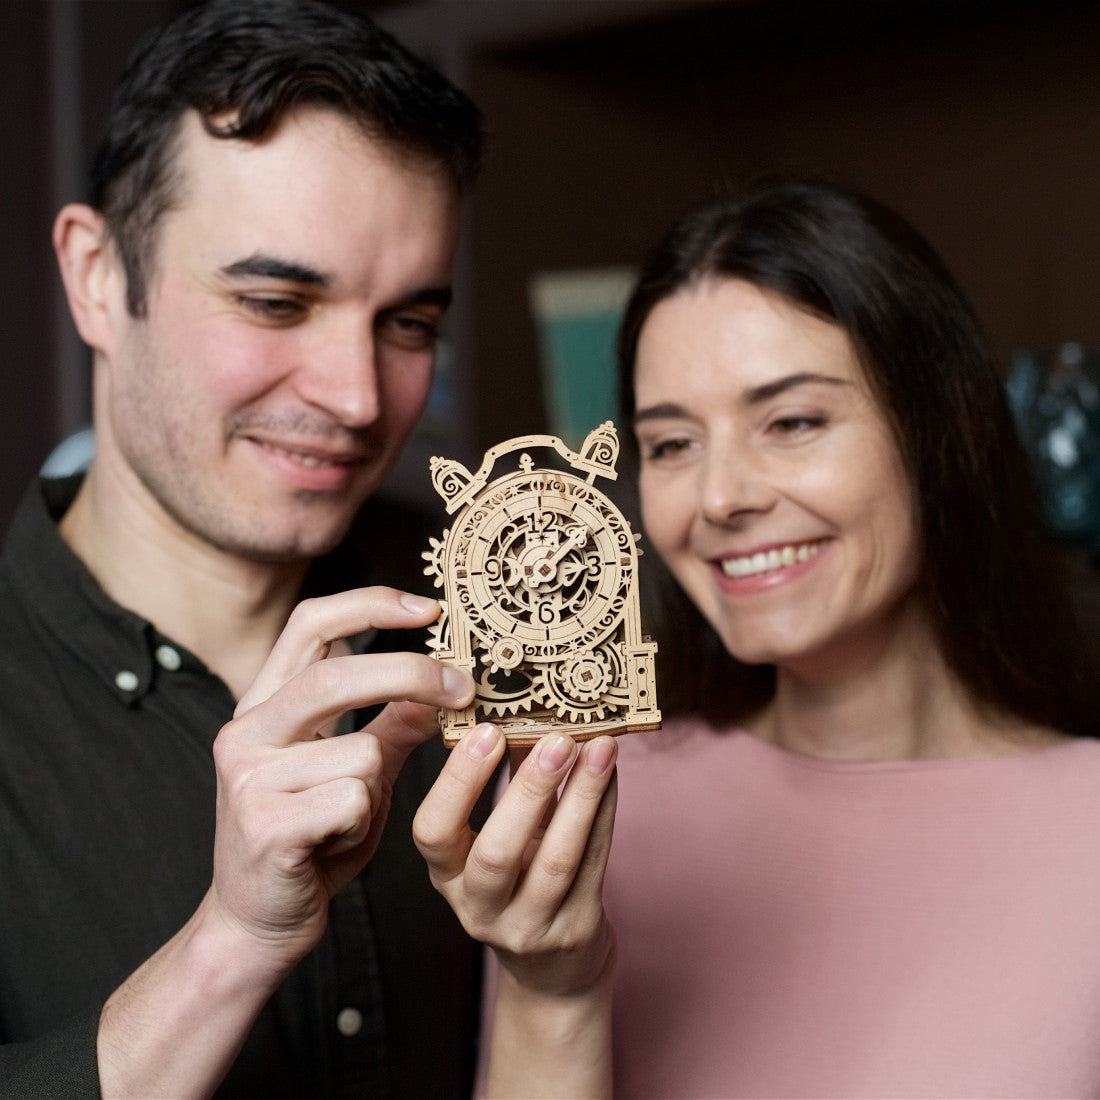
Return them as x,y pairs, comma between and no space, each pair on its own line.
242,65
989,581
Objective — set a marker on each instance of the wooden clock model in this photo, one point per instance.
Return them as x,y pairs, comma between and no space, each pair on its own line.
540,600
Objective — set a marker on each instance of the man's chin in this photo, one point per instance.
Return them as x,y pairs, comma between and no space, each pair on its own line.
299,544
293,550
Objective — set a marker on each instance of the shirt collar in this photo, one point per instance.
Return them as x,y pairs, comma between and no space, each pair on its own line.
63,596
125,650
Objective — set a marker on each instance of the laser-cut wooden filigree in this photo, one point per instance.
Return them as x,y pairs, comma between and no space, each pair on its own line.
540,601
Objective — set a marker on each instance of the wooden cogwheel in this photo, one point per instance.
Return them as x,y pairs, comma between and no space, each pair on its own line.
540,598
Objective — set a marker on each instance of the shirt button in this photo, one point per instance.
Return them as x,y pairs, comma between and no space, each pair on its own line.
168,658
349,1022
127,680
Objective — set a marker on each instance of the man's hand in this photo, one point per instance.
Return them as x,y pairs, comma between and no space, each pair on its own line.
299,813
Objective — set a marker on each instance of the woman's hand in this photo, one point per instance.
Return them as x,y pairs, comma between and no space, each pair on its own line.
530,885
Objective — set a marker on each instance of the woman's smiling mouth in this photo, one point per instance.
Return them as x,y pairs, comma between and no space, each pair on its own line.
767,561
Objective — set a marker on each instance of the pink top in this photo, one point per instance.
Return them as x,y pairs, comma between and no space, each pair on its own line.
795,928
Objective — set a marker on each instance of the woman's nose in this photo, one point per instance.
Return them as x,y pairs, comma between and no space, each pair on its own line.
734,488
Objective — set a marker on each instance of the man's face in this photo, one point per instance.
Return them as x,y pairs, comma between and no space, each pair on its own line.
294,299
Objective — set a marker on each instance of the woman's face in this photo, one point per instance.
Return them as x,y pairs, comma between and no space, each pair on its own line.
771,484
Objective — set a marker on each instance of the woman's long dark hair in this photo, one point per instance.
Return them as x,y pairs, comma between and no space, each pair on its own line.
990,581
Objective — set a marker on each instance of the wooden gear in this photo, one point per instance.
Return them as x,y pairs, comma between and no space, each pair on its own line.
540,602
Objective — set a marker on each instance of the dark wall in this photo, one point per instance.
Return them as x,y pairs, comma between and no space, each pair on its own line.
64,58
26,391
979,121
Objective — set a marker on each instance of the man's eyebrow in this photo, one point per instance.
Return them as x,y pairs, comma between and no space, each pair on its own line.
429,296
271,267
260,266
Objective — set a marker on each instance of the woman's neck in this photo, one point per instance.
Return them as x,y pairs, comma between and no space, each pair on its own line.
900,703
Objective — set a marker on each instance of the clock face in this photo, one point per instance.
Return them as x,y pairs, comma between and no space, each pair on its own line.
542,567
539,574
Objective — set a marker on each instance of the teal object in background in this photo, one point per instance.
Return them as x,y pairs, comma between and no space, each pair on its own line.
577,314
1055,400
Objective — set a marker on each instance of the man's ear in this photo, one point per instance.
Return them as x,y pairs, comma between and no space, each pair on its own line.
95,283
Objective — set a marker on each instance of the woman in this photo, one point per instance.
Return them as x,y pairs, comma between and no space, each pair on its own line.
874,871
864,859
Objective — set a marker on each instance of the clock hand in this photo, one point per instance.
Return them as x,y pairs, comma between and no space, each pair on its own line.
546,568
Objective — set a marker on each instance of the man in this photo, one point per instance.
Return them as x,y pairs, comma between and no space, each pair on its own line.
261,273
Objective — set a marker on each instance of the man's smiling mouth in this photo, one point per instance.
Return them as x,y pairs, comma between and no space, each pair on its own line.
309,459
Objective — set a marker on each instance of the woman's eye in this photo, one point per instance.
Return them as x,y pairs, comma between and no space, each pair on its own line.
796,425
666,449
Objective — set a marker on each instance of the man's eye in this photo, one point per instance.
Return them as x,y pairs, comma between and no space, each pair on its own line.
272,309
410,331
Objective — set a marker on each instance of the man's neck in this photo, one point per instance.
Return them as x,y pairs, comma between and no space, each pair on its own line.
226,610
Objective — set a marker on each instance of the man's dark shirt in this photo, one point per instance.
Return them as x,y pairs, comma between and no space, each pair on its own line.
107,795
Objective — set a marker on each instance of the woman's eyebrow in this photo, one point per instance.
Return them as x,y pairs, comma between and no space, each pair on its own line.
665,411
669,410
789,381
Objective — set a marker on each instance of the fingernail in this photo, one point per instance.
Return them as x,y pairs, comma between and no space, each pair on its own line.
459,685
418,605
555,752
599,755
481,741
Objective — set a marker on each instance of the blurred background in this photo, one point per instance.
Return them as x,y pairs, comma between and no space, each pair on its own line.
978,119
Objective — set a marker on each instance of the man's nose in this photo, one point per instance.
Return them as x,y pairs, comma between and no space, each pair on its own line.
339,374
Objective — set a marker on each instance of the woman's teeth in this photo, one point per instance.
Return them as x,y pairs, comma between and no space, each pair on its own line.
768,560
